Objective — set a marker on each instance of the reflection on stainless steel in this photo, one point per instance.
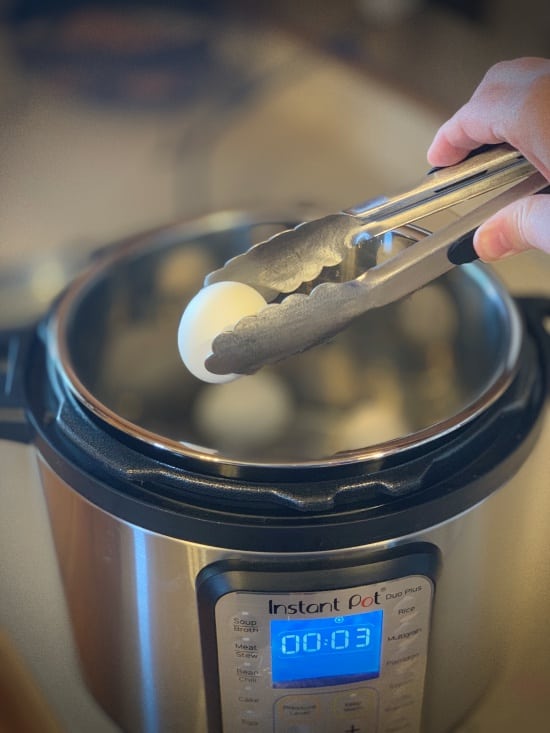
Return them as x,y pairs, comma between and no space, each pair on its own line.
377,146
132,602
138,648
246,415
432,382
27,289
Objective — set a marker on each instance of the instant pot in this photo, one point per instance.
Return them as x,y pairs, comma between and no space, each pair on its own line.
324,547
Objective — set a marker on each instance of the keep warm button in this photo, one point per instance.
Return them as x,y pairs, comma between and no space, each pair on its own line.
298,707
355,702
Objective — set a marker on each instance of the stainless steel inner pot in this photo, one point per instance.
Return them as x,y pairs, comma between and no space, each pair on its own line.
401,376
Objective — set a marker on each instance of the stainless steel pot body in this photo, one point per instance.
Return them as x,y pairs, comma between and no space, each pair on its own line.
146,495
132,602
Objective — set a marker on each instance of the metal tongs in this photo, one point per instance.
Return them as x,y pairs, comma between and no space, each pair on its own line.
279,266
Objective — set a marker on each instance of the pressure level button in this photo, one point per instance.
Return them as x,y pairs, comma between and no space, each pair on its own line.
298,707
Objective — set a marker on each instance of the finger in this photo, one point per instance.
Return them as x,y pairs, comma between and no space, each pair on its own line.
511,104
453,142
474,124
519,226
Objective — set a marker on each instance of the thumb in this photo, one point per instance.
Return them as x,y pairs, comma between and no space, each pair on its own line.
519,226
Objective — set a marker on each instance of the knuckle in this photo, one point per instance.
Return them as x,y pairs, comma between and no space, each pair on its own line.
538,91
522,220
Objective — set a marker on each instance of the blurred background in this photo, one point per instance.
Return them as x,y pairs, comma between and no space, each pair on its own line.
117,117
120,116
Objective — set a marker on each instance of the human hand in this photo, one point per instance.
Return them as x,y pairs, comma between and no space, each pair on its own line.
511,104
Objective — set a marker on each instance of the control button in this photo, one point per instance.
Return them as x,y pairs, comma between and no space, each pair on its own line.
247,673
398,686
250,724
293,707
355,702
405,609
402,686
404,632
246,648
244,623
403,665
248,700
249,711
398,726
399,705
249,715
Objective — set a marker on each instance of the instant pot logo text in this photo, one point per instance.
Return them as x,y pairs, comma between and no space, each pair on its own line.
336,604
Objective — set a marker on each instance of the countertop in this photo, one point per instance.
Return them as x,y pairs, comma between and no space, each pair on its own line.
82,169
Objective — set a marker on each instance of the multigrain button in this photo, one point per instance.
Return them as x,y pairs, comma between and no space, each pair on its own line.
404,632
406,644
405,638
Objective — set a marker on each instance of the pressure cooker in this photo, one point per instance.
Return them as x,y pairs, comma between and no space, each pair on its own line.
322,547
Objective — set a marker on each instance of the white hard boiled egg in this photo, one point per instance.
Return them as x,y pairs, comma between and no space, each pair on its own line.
214,309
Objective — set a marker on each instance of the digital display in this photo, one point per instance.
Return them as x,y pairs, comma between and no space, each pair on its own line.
326,651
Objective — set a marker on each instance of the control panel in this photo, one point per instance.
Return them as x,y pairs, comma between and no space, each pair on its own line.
348,659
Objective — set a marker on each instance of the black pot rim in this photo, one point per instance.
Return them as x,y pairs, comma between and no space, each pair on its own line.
217,464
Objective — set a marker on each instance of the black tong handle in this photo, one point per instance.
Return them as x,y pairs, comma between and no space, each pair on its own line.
462,251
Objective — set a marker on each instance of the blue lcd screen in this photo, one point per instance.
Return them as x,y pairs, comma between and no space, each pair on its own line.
326,651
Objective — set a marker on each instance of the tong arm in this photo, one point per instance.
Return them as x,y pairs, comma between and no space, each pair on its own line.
283,262
295,256
426,260
482,172
302,321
